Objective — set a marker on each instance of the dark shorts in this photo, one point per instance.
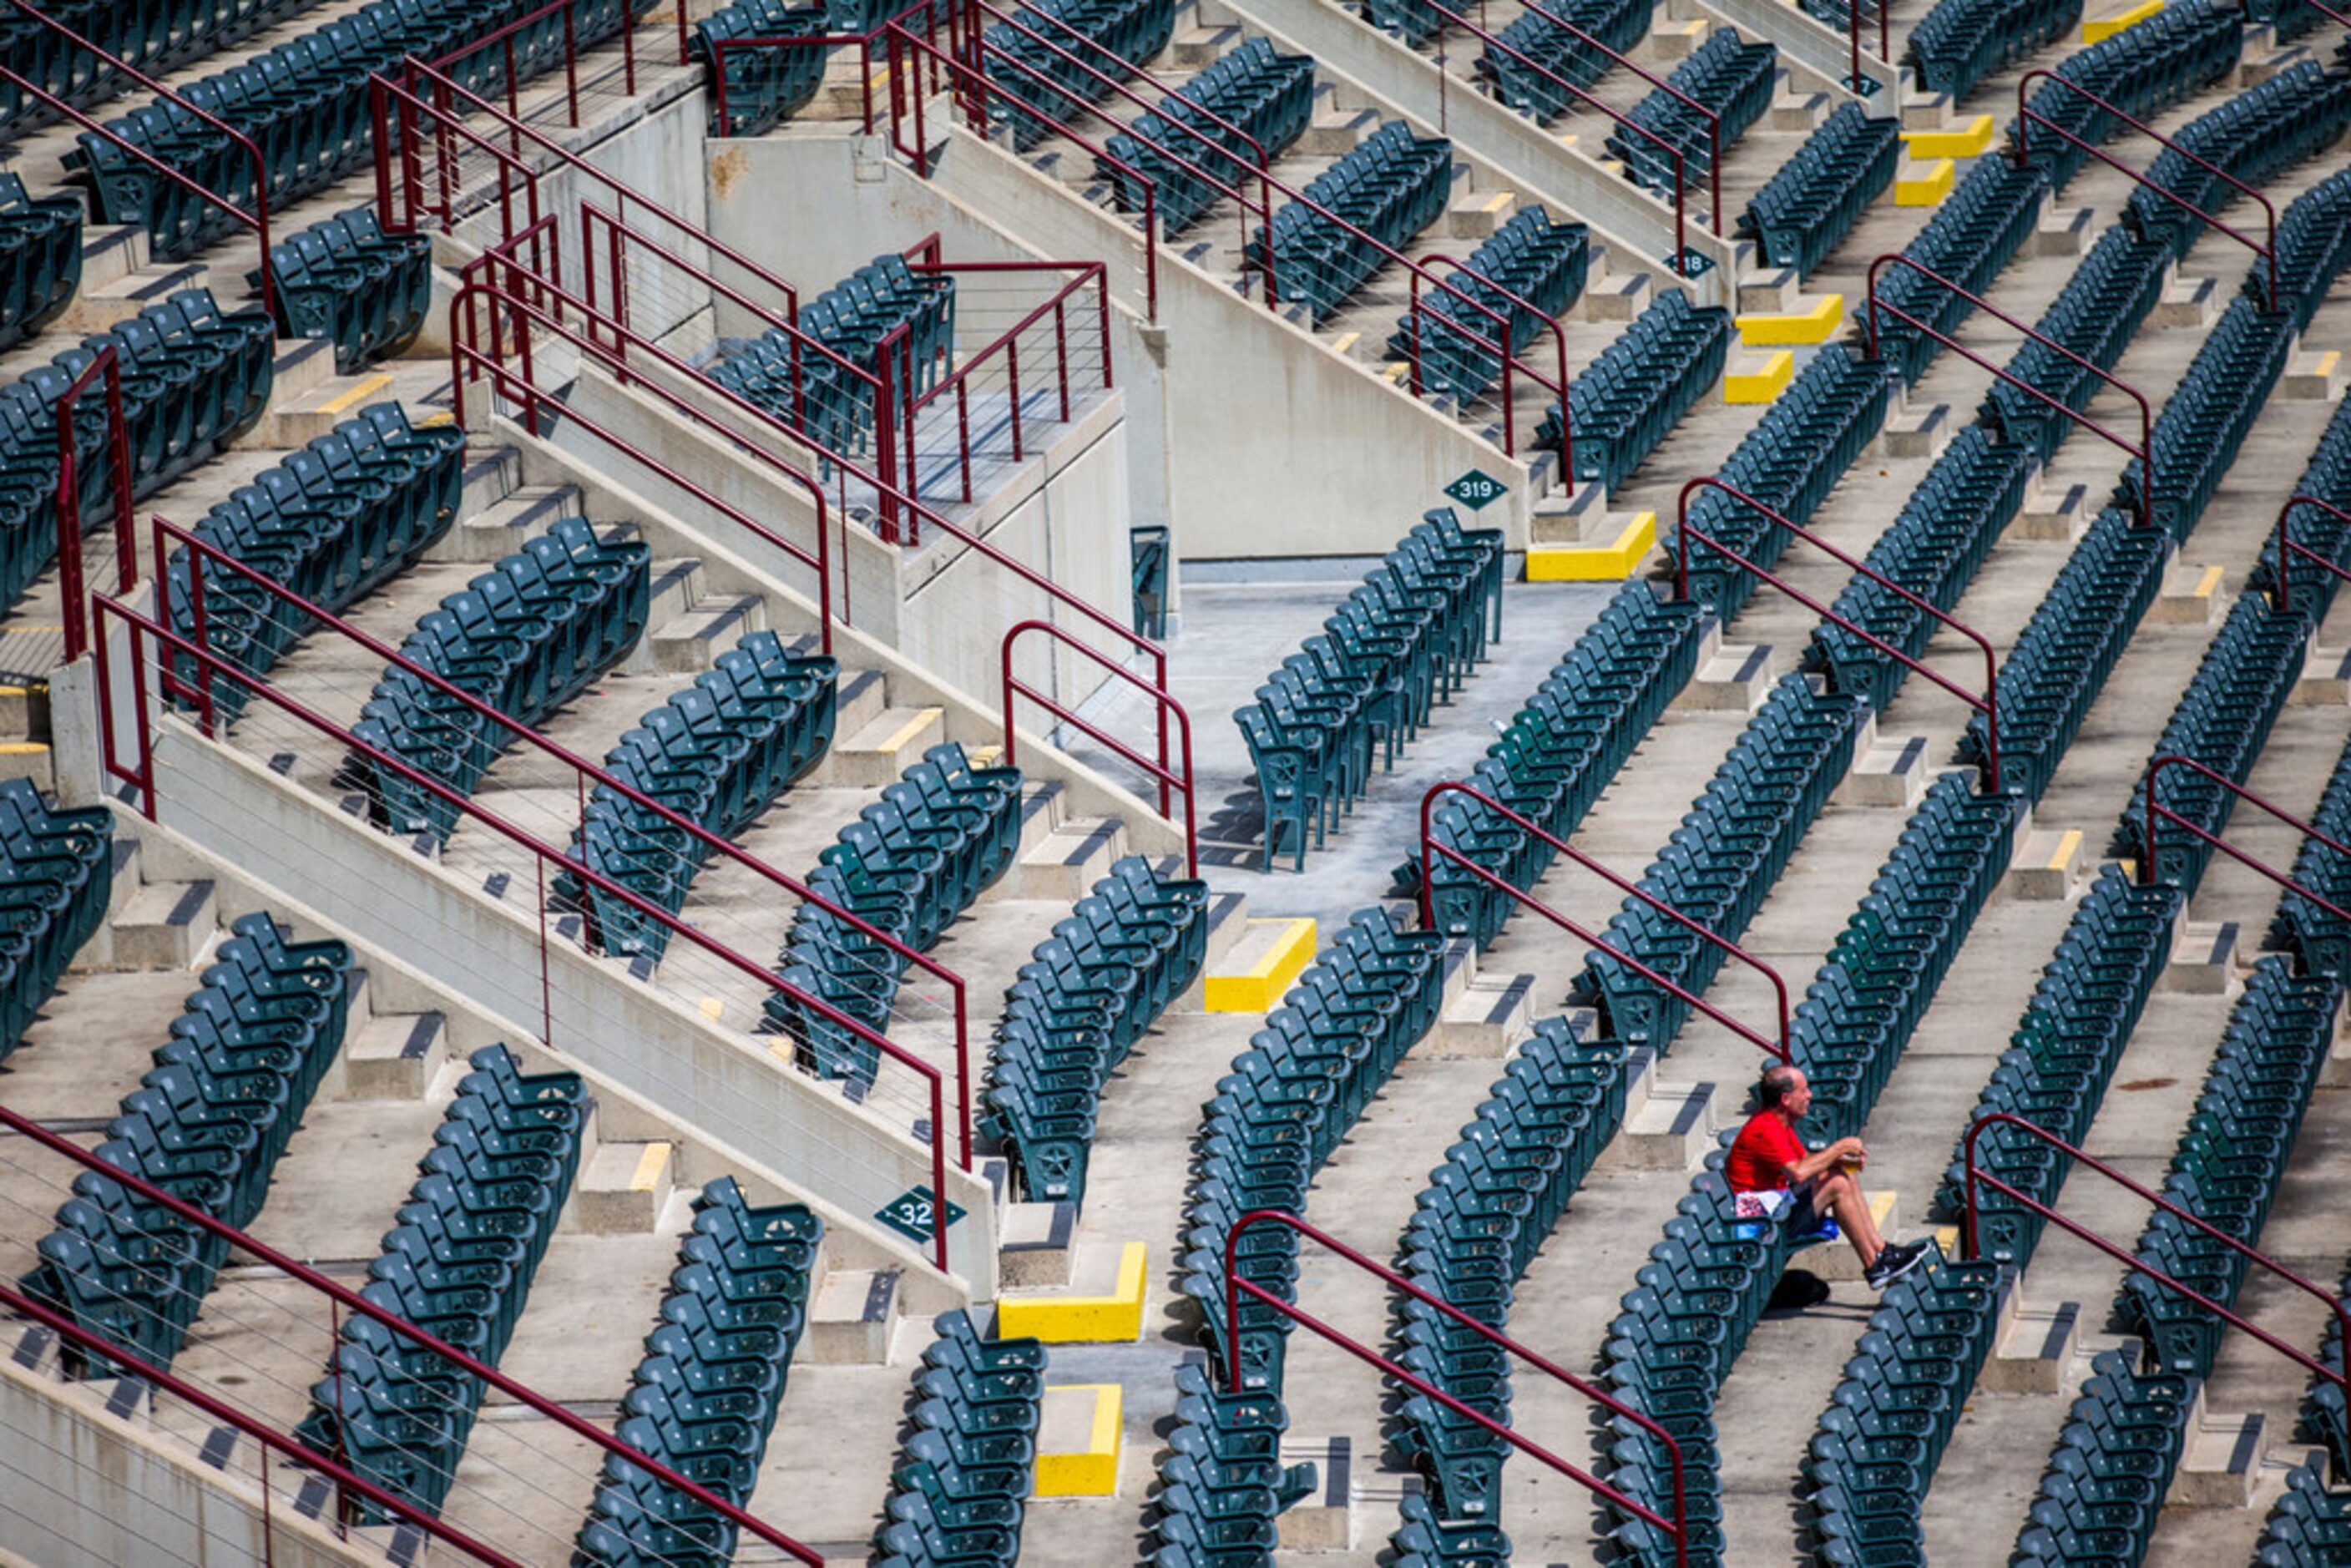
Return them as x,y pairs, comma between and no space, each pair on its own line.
1802,1219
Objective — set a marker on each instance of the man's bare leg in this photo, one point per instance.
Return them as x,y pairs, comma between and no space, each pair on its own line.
1842,1198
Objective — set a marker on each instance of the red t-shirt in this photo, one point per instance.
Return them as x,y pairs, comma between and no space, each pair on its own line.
1762,1153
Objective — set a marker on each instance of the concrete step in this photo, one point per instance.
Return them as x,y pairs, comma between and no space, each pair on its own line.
111,251
1736,680
2221,1461
1894,772
2190,596
1069,860
394,1057
624,1189
1335,132
95,309
2050,865
2034,1353
29,759
165,925
1673,1129
1196,49
2194,303
676,589
2203,960
851,1318
689,643
307,398
1487,1018
858,696
878,752
497,527
1921,432
492,474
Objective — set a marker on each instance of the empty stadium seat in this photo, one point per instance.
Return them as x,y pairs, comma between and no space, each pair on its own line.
1055,68
1389,188
1816,196
1453,341
1540,54
344,279
1626,397
58,881
40,258
765,86
966,1469
1188,148
1726,75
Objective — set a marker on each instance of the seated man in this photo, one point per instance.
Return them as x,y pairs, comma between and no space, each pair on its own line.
1767,1158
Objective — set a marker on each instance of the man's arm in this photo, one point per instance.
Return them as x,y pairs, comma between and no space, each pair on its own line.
1813,1164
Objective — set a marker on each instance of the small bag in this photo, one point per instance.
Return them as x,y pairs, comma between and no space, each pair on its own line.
1768,1205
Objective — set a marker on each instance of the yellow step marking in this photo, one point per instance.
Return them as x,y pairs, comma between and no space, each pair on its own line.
1612,563
1092,1470
1923,185
366,389
2105,27
1764,383
1080,1320
651,1159
24,748
905,734
2328,361
1969,142
2067,848
1257,989
1395,371
2207,585
1499,199
711,1008
1814,324
1345,341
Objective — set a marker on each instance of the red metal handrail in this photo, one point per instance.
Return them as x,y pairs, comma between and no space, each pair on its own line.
1165,703
2027,116
1092,273
618,361
347,1299
1559,347
271,1442
863,41
1987,705
1677,1527
1429,845
257,220
505,37
1976,1176
1713,119
2143,451
106,363
211,666
2288,546
2158,812
199,550
515,132
969,76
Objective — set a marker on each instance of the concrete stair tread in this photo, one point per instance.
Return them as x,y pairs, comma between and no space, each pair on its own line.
1066,862
498,528
851,1317
884,747
624,1187
163,926
394,1056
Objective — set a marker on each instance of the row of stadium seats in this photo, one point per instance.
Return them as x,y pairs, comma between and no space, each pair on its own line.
1390,187
1960,42
1727,75
1790,462
1543,52
2064,1051
2308,1525
825,394
1474,1230
193,380
1290,1098
1893,1414
2094,319
153,38
333,522
2313,247
909,865
346,280
1719,864
206,1124
525,637
40,258
2114,1461
1811,202
457,1264
1989,214
1054,69
1933,547
304,104
2223,721
718,753
57,868
956,1497
1223,1481
765,86
1404,640
1681,1328
1088,993
1558,753
2251,136
1268,98
2230,1161
705,1397
2301,928
2202,428
1881,975
1530,258
1425,1541
2142,70
1637,389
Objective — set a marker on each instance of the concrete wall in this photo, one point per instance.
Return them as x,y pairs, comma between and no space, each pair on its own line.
638,1037
1277,444
1349,50
81,1487
1820,52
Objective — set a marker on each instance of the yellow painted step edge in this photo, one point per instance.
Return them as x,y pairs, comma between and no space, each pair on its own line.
1257,989
1972,142
2105,27
650,1161
344,400
1928,187
1802,327
1080,1320
1612,563
1090,1471
1760,385
2067,848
